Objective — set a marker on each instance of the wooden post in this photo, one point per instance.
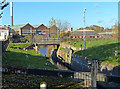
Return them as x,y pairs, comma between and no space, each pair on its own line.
94,69
43,85
36,48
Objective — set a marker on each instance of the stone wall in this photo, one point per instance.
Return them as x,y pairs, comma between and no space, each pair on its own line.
64,54
64,45
109,69
4,45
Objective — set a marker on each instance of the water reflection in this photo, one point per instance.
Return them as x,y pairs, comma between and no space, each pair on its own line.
43,51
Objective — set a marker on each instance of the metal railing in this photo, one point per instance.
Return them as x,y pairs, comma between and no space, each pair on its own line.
46,40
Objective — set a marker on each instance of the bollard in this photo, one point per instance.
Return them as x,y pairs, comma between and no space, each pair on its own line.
43,85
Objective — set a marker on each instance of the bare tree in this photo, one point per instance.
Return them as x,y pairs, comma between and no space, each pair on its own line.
63,26
52,22
3,4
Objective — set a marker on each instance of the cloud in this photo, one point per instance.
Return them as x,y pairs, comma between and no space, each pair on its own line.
100,21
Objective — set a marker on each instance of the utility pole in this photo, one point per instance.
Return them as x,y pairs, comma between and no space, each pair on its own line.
84,29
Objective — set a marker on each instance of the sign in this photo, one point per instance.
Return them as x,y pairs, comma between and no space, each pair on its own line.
41,32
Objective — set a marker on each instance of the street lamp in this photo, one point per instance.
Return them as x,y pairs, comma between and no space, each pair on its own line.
84,29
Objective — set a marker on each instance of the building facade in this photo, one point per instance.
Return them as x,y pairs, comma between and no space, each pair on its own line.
27,29
54,30
4,34
40,30
84,34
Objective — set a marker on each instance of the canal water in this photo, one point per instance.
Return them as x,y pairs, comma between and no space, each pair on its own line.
43,51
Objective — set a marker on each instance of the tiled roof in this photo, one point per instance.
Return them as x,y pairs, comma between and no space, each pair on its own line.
17,27
80,33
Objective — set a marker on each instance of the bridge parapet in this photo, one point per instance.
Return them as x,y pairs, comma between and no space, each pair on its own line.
46,40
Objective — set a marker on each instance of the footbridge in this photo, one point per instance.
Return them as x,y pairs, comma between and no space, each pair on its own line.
47,41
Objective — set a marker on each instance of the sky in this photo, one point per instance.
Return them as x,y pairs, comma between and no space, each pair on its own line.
103,14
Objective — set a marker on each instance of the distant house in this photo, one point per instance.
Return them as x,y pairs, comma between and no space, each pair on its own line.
27,29
54,30
39,30
42,30
106,34
4,34
11,31
84,33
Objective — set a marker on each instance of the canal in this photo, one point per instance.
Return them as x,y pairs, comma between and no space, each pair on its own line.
53,59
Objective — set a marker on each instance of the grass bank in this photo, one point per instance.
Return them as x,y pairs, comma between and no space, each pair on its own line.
19,45
103,50
17,57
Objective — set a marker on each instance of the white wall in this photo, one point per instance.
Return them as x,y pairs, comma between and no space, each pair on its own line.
4,34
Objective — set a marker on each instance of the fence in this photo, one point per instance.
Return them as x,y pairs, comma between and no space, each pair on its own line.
85,76
46,40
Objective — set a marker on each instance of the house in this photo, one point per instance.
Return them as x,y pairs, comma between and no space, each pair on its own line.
106,34
27,29
54,30
84,34
42,30
4,34
39,30
11,31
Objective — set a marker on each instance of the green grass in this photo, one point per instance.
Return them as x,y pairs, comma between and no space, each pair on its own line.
22,45
92,43
17,57
101,50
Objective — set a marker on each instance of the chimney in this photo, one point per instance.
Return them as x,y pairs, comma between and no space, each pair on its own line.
11,12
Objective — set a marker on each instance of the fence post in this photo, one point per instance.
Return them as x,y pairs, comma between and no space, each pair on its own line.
43,85
94,68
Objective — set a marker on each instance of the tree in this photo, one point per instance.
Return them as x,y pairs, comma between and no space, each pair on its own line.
63,26
52,22
96,28
115,32
3,4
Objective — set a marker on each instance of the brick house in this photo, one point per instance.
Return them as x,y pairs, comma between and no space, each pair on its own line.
42,30
88,34
39,30
54,30
27,29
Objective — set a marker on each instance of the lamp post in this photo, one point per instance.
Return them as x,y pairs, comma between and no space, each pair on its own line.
84,29
31,34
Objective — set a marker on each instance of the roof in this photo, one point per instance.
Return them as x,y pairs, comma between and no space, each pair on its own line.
4,30
42,26
81,32
17,27
105,33
85,30
54,27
